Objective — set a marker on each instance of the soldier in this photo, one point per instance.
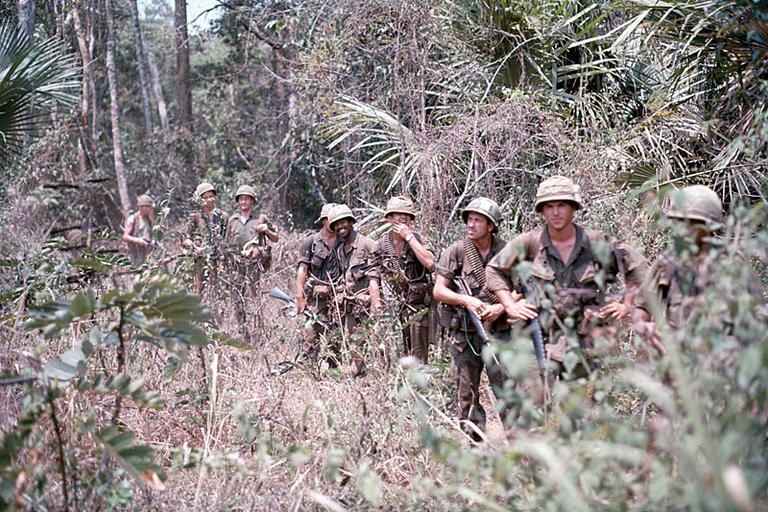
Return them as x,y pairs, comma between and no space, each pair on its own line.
206,230
465,260
407,267
680,277
571,268
137,232
357,256
318,273
247,234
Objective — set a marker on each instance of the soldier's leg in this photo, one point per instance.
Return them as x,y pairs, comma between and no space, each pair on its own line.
468,368
420,339
498,376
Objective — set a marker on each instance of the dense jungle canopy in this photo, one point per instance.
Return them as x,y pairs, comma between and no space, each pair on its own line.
355,101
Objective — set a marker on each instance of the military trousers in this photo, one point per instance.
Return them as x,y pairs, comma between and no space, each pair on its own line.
466,349
416,335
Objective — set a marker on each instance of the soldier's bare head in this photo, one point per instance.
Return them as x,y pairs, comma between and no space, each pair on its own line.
479,227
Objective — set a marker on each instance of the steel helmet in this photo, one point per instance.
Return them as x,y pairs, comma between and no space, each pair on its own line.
327,207
145,200
400,204
558,188
696,202
245,190
338,212
483,206
203,188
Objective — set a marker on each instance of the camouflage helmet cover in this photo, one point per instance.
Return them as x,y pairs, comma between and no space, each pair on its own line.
400,204
696,202
558,188
245,190
203,188
145,200
484,206
327,207
338,212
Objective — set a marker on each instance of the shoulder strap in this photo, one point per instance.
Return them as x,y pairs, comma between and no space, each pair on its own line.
477,268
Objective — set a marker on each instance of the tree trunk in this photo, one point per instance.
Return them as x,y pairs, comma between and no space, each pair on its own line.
27,17
183,94
85,142
157,90
141,59
114,110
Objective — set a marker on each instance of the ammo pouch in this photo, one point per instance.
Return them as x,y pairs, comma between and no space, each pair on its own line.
417,294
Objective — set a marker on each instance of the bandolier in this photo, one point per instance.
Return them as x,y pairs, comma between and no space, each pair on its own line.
463,260
409,282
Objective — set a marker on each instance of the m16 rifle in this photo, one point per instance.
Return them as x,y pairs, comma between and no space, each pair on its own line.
464,289
538,342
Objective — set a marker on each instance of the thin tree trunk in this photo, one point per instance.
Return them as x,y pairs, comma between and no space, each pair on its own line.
90,24
141,59
183,94
157,90
114,110
85,104
27,17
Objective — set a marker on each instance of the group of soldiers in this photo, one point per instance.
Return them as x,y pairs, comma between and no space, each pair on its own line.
237,243
566,285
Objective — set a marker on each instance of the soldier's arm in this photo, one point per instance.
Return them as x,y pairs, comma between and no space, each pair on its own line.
301,280
265,227
424,255
130,238
635,268
498,280
375,293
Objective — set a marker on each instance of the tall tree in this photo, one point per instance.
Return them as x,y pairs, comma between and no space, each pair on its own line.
183,92
85,141
157,90
114,109
27,17
141,59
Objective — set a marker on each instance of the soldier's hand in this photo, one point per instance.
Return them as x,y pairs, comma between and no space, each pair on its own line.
521,310
614,310
647,331
262,228
492,312
475,305
141,242
401,229
301,303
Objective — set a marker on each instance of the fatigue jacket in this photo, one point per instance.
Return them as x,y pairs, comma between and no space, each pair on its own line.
454,262
569,286
358,262
142,228
681,283
404,273
240,233
315,253
207,230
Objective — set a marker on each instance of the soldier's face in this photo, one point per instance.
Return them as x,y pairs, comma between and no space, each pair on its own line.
558,214
209,200
343,227
145,211
400,218
245,202
478,226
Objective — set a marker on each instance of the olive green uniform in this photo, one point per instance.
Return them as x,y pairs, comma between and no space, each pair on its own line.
322,280
411,283
207,231
465,344
142,228
245,272
568,292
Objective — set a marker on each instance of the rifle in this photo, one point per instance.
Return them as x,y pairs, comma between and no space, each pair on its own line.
538,343
277,293
464,289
